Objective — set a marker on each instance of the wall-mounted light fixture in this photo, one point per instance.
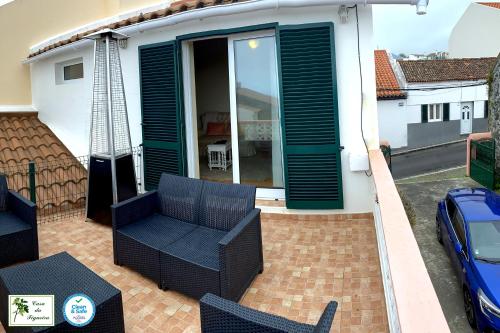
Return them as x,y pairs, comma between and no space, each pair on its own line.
343,14
253,43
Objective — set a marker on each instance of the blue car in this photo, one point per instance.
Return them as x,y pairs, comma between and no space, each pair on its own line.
468,225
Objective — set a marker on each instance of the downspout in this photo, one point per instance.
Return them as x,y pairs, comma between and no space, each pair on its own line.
228,9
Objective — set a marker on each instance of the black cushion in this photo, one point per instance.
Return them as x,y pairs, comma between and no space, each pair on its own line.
200,246
4,192
10,224
179,197
157,230
223,206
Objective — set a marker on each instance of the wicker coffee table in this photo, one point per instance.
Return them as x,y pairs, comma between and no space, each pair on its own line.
62,275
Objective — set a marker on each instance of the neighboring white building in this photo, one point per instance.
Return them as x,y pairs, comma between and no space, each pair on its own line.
260,83
476,33
428,102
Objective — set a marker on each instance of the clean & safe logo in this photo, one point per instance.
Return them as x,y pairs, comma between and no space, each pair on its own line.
79,310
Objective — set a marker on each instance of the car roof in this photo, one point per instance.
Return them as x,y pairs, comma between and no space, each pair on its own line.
477,204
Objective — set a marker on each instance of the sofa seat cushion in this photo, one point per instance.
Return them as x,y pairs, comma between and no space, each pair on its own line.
200,246
11,224
191,264
157,231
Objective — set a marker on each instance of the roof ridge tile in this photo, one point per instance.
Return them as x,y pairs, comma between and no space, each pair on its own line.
442,70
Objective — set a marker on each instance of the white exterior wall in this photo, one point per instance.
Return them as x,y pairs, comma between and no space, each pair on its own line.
393,118
454,96
66,108
476,33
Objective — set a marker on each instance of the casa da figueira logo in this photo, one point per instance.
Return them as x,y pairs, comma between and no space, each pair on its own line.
31,310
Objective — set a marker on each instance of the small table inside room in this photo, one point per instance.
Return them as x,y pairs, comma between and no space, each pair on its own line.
220,155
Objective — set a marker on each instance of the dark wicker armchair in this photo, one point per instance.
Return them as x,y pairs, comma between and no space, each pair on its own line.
18,228
191,236
223,316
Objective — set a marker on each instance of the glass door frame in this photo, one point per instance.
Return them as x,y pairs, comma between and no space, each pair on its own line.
190,111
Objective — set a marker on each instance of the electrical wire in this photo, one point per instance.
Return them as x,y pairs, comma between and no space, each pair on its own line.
433,88
367,173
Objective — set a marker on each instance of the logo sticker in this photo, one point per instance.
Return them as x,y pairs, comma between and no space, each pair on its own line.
79,310
31,310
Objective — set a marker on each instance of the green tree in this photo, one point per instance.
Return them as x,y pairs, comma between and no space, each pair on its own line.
494,111
22,307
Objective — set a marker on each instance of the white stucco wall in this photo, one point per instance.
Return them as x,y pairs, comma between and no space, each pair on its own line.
66,108
476,33
454,96
392,120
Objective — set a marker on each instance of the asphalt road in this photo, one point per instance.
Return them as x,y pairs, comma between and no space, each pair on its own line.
429,160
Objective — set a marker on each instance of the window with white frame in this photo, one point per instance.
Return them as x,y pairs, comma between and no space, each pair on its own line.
435,112
69,71
73,72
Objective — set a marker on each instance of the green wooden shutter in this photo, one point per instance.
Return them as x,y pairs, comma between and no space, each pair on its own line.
310,124
161,112
423,111
446,112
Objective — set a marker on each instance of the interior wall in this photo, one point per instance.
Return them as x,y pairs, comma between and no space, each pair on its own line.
211,76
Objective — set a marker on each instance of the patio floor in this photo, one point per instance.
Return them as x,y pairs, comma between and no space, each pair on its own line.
309,260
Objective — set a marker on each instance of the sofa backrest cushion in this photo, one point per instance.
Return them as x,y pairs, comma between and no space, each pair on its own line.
4,192
222,206
179,197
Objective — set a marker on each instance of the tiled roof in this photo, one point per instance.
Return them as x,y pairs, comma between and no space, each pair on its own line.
465,69
174,8
387,83
60,179
491,4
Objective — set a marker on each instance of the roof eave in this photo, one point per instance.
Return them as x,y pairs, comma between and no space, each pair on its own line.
211,11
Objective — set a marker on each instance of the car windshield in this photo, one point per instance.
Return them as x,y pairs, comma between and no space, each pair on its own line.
485,240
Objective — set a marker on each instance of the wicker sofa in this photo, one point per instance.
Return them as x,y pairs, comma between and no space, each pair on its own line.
191,236
18,228
222,316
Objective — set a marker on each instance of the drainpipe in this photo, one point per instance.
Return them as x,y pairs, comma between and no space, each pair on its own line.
229,9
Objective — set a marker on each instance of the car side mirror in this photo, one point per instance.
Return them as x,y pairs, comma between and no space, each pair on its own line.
458,248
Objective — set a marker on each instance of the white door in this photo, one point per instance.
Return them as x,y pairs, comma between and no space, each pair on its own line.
466,118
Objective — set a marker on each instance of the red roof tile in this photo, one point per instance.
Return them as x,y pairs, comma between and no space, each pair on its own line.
387,83
460,69
60,179
491,4
174,8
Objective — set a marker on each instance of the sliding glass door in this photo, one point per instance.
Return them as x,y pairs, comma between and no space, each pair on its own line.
231,98
255,114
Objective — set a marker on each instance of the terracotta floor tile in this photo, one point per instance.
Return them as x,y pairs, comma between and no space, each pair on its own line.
309,261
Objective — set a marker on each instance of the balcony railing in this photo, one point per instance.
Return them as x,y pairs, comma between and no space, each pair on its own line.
412,303
57,186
